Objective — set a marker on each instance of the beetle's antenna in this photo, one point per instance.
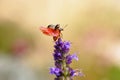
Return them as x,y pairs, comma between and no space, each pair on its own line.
65,26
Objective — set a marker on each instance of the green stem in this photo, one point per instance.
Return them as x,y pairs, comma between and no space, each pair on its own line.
65,77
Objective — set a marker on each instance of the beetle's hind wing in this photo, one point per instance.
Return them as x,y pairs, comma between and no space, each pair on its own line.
47,31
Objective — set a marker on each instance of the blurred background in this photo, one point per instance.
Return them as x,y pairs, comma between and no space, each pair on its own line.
93,29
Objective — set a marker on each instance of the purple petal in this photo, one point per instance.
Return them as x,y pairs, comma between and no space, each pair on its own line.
74,56
69,58
76,73
57,56
66,45
55,71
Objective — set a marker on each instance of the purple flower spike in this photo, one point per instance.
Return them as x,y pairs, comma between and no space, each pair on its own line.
63,59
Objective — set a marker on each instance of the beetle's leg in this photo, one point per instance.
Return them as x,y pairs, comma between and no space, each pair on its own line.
61,35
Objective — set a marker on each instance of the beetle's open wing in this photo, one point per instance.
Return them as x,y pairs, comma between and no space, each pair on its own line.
49,31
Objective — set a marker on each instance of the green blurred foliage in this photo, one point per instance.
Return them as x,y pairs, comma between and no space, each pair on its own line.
9,33
113,73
